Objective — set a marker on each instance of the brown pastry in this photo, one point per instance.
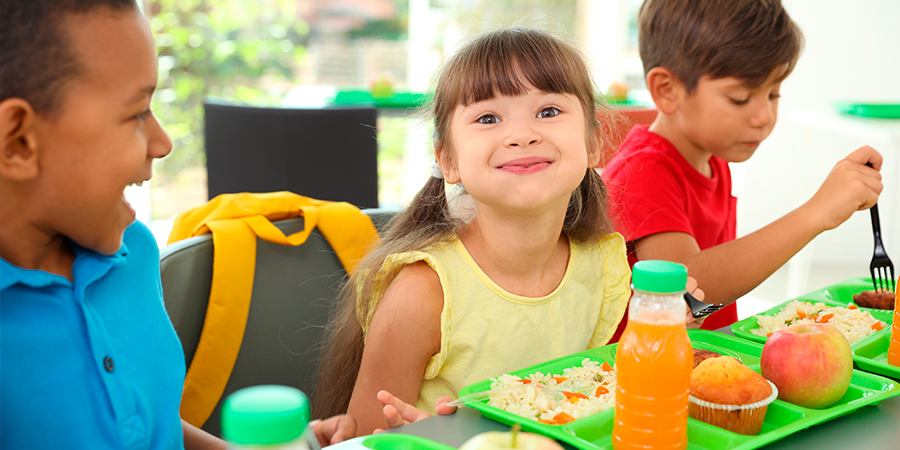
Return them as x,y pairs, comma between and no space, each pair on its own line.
730,395
875,299
700,355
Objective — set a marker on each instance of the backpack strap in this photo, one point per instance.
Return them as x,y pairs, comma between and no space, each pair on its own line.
235,221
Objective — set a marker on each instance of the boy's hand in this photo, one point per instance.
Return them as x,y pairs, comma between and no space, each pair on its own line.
698,293
334,429
397,412
851,186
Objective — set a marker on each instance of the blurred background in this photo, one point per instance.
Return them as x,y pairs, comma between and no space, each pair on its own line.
262,52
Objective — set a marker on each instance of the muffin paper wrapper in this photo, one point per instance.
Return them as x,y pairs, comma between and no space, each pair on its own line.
743,419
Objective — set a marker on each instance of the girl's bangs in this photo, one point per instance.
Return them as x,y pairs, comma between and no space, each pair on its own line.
510,67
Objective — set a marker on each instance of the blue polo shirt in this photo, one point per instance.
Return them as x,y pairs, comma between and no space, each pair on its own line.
94,363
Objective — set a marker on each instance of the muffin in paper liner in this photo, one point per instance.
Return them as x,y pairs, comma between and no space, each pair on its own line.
743,419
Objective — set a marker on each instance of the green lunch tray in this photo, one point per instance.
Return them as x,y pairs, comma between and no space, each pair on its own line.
877,110
392,441
782,418
869,354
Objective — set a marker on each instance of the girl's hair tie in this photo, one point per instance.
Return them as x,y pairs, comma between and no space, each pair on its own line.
436,171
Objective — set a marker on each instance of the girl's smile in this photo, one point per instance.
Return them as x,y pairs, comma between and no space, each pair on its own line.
526,165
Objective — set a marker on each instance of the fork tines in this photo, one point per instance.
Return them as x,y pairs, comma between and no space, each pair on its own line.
883,275
881,268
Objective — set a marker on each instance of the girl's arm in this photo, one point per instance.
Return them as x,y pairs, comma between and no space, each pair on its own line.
730,270
404,333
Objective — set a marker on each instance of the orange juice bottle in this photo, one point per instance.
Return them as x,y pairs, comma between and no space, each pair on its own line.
893,357
653,362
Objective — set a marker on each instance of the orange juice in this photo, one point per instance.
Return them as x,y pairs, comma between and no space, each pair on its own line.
653,362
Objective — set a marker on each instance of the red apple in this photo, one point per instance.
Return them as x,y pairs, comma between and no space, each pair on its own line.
810,364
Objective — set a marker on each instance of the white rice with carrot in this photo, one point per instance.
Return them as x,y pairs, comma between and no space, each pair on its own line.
855,323
586,390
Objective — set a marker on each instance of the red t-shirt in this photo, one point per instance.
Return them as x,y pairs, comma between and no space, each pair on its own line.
653,189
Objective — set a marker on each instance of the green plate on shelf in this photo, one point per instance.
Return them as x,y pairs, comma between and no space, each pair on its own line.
782,418
869,354
877,110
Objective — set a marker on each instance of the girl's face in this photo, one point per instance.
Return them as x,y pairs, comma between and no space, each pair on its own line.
523,153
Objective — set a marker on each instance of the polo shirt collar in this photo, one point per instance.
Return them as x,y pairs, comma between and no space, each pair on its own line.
11,274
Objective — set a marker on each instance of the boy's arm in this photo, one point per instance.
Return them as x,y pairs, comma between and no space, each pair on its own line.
197,439
729,271
405,332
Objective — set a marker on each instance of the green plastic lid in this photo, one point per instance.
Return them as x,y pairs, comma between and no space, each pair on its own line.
265,415
660,277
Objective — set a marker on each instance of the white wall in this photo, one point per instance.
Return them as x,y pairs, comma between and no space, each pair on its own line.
852,52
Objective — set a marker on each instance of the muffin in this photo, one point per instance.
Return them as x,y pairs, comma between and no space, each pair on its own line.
730,395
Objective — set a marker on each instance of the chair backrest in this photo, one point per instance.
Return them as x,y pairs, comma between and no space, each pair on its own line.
293,294
324,153
616,132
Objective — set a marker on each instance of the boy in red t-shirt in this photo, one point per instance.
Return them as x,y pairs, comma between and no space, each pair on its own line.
714,70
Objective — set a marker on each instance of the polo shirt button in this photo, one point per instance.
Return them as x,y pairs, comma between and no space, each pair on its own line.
108,363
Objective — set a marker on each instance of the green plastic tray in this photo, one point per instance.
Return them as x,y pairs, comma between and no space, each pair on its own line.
396,441
877,110
782,418
869,354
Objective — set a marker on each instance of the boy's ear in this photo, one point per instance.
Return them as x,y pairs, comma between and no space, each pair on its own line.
665,89
18,156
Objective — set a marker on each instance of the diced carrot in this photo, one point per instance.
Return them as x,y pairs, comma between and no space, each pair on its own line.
560,379
852,306
546,422
574,395
769,335
825,318
563,418
801,314
601,390
525,381
605,366
877,326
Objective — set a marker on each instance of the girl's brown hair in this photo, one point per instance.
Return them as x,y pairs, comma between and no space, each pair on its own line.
503,62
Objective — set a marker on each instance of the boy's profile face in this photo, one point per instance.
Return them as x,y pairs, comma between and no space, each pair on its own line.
728,119
104,136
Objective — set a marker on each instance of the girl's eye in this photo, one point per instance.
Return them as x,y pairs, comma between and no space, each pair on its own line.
549,112
142,116
488,119
774,96
739,101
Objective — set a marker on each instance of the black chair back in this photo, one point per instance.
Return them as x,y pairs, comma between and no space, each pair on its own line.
323,153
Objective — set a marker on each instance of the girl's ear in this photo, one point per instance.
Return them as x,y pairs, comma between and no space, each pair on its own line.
448,166
665,89
19,154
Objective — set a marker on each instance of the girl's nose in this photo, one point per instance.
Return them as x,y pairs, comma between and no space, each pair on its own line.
521,136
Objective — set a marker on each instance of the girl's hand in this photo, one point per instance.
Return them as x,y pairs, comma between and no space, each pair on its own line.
397,412
698,293
334,429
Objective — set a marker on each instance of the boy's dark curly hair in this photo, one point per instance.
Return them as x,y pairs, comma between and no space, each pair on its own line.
36,59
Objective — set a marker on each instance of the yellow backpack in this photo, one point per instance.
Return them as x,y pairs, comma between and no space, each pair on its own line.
235,222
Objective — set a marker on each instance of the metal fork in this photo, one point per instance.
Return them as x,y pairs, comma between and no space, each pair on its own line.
881,267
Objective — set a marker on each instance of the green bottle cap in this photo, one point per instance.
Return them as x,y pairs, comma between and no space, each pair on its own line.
659,277
265,415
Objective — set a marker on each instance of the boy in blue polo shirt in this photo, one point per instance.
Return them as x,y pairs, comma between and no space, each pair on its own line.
90,358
